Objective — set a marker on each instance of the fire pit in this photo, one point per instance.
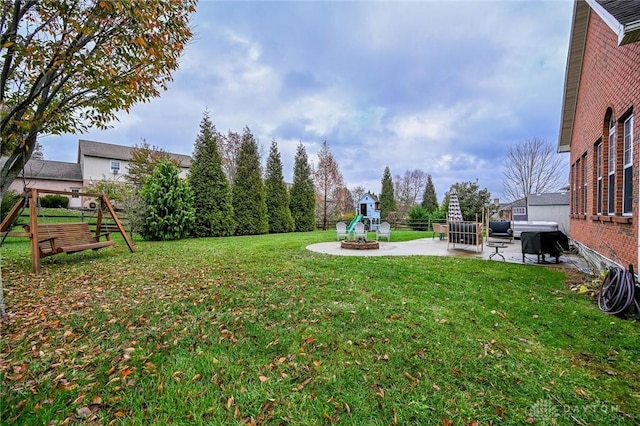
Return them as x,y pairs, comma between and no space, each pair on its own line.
359,245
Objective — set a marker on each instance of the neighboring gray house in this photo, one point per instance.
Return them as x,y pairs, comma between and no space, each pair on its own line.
97,161
519,210
500,211
104,161
55,175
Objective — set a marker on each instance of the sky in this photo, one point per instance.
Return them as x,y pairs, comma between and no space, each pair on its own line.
441,86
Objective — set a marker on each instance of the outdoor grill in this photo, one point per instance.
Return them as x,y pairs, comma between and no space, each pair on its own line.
554,243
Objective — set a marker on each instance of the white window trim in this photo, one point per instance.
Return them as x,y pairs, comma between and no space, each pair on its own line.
584,184
574,183
611,209
579,192
114,170
627,160
599,178
519,211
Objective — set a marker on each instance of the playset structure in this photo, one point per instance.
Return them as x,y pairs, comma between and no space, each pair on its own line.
367,212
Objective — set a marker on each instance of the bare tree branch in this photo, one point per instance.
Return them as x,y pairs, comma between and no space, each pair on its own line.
532,167
328,183
408,189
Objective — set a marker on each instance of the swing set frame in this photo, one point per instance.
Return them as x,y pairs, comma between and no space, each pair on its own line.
74,236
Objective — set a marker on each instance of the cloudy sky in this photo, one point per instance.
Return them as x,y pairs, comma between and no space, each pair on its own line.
441,86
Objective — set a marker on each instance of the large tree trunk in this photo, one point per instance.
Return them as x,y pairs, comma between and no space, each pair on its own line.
12,168
324,213
3,312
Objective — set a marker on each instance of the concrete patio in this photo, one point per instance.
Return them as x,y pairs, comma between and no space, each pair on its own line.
512,252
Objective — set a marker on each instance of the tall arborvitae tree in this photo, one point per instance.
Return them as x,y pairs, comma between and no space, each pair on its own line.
249,195
303,197
278,212
429,198
210,186
387,197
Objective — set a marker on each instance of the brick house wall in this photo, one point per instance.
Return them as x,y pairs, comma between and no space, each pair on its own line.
609,85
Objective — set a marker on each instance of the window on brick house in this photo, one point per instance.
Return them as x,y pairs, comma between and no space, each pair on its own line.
627,177
611,208
584,184
75,191
578,186
599,177
573,189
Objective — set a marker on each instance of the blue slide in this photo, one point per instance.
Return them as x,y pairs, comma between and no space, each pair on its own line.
355,220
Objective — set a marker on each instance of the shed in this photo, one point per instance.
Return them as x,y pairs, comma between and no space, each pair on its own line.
550,206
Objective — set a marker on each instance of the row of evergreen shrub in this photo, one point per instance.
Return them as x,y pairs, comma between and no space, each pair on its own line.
54,201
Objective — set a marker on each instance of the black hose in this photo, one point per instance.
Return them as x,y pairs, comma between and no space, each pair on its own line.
618,292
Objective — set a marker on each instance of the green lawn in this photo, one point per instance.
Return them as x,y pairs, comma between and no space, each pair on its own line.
260,330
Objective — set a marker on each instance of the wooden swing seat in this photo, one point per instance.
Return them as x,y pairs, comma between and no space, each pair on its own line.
48,239
54,238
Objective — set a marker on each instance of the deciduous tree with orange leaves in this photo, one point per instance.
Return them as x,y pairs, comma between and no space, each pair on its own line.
69,65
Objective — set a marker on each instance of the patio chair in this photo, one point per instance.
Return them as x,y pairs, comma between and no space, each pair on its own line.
341,229
384,231
440,229
359,232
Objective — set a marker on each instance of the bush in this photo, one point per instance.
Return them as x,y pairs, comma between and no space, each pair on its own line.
54,201
438,215
347,217
8,200
115,191
418,218
168,205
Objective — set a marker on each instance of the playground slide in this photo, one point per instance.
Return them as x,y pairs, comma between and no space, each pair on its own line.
355,220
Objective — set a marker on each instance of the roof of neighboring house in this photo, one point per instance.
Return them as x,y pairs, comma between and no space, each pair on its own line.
549,199
53,170
519,203
623,17
501,206
118,152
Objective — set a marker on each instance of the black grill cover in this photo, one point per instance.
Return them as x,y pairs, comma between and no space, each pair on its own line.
552,242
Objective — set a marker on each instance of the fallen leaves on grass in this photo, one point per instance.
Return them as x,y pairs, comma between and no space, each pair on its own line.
63,330
302,384
378,390
500,314
493,348
581,393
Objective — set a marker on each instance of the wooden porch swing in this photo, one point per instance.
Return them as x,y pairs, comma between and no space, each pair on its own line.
48,239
